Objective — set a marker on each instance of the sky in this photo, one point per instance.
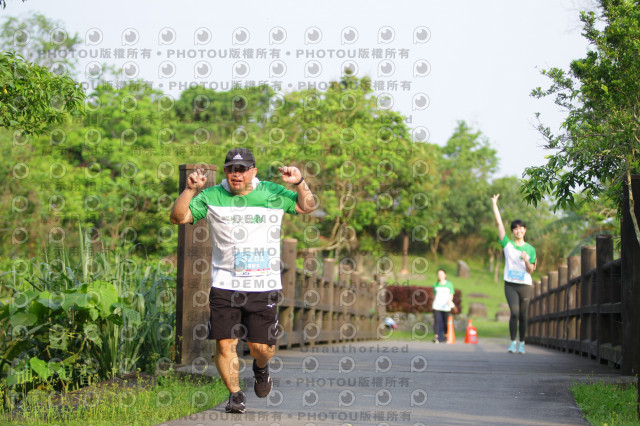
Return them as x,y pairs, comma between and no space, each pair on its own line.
435,62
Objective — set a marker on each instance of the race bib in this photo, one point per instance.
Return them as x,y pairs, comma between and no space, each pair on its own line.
250,261
515,275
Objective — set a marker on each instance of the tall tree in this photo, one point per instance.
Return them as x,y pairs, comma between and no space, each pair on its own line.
359,158
597,148
467,164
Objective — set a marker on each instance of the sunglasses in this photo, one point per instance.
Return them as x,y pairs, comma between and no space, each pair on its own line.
237,168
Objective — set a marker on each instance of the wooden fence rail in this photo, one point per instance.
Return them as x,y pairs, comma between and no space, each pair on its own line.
578,308
325,308
590,306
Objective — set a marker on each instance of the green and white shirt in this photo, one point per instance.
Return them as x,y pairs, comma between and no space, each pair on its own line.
515,270
442,296
245,233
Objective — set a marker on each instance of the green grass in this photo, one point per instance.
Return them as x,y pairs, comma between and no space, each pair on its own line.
490,329
172,398
607,404
487,329
480,281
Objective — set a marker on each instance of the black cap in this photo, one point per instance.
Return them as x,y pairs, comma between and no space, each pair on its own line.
240,156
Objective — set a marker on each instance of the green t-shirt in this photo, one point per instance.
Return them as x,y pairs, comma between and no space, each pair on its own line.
443,292
245,233
515,270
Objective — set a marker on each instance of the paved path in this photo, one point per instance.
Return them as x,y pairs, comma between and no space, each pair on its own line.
414,383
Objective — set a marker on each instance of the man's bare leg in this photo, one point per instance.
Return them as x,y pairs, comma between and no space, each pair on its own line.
227,363
261,352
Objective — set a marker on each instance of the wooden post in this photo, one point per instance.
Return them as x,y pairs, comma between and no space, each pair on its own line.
356,307
573,297
372,292
328,274
561,307
573,272
544,299
630,271
604,254
587,263
287,308
310,287
193,280
537,310
553,298
380,303
345,269
553,287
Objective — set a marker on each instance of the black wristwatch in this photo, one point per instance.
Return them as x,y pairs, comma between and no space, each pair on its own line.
299,182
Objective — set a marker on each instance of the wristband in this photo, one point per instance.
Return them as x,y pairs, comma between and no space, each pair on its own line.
299,182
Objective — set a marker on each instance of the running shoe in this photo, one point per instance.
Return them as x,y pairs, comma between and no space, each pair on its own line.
237,403
263,383
512,347
521,348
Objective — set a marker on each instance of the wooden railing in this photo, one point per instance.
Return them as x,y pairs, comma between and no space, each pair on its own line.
319,307
578,307
590,306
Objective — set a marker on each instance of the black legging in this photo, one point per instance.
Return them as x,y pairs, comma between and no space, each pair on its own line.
440,319
518,298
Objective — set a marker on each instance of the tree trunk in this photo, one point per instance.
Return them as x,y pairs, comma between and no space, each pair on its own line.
434,247
497,270
405,252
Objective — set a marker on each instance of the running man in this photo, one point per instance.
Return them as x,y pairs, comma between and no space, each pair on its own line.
244,216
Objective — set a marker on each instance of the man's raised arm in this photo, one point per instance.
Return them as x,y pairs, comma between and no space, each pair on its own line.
306,202
181,213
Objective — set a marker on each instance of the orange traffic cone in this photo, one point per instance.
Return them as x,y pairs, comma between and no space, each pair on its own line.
472,334
451,334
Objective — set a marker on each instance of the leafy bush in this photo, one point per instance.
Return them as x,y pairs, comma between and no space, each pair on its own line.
415,299
65,326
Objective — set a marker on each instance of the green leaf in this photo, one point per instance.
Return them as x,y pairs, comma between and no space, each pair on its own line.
75,298
51,303
58,367
128,315
94,313
103,294
133,317
40,367
23,319
70,360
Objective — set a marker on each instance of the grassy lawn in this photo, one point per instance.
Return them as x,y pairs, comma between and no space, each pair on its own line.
119,402
487,329
607,404
480,281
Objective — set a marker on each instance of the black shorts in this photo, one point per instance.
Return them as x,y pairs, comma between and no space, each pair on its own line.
248,315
